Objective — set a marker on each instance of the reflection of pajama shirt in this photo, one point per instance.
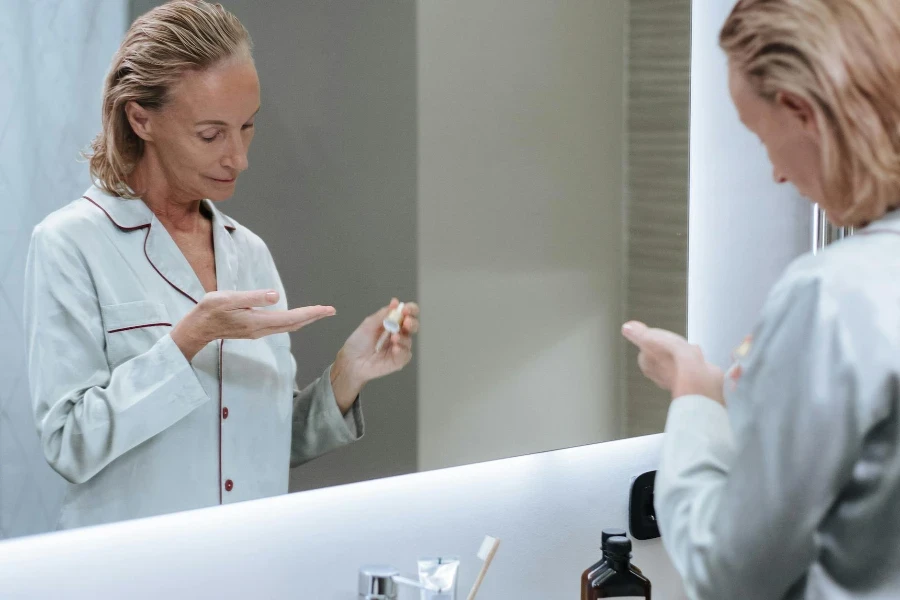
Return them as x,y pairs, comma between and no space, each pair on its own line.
134,427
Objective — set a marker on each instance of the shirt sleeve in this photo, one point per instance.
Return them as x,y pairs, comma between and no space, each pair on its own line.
738,508
87,414
318,427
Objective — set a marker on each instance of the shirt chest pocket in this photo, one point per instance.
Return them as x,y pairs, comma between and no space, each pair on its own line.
133,328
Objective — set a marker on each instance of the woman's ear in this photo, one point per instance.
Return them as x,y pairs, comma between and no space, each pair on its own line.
139,119
800,109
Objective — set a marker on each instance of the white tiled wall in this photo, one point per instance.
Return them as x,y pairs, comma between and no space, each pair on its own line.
53,57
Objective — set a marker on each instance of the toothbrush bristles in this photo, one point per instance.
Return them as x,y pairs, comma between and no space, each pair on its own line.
486,546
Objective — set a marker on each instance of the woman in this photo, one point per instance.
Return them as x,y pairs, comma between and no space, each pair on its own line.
791,487
159,357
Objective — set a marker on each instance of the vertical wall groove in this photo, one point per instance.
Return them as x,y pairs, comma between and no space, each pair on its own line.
659,50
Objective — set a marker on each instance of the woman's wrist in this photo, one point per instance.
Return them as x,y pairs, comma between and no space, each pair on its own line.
707,383
185,336
346,386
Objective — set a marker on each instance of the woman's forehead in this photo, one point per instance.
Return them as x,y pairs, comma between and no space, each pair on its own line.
228,93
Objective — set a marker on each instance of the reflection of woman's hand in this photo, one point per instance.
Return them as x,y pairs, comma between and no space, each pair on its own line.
357,363
673,364
230,315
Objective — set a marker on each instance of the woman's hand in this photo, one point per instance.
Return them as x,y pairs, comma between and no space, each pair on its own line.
357,362
673,364
234,315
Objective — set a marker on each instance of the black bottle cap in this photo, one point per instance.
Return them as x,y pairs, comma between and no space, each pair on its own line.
612,532
619,547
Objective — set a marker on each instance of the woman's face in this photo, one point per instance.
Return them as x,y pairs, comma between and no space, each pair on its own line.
788,130
201,137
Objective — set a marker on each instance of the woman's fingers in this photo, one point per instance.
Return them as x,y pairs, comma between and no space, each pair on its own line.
411,309
410,325
382,313
232,300
403,341
410,320
665,356
635,332
267,322
652,370
309,314
644,364
402,350
656,341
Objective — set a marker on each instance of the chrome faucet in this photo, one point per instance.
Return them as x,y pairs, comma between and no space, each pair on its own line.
381,582
376,582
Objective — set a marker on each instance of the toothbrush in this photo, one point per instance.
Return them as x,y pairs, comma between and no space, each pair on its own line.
486,553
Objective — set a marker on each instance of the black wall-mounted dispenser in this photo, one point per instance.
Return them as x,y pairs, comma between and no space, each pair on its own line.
641,514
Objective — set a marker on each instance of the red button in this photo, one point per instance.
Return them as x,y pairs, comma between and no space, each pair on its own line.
225,413
228,485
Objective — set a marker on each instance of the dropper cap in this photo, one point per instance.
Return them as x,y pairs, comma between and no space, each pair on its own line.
391,325
392,322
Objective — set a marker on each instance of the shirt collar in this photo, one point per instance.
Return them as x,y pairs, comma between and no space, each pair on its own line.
130,215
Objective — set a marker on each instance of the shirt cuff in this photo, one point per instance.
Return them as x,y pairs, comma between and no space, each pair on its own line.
181,373
697,411
352,423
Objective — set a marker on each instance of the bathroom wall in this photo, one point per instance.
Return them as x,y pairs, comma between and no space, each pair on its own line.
744,228
53,57
521,250
547,509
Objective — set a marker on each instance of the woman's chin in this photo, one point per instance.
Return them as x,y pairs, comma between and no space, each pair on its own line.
218,190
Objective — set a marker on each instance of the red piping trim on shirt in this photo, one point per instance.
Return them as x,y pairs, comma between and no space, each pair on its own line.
181,291
139,327
122,227
221,346
188,296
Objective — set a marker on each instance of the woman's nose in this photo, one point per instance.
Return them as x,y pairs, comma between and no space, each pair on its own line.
241,162
237,158
778,177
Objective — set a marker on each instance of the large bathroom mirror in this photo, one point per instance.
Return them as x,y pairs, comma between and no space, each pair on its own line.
517,167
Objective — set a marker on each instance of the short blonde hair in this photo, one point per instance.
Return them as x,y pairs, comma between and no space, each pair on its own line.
843,58
159,47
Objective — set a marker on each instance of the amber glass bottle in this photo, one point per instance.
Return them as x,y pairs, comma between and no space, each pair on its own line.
617,577
591,572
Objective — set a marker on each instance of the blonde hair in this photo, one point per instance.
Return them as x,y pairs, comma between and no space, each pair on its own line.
843,58
159,47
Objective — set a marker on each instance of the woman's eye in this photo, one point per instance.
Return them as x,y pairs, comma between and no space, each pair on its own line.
206,137
248,126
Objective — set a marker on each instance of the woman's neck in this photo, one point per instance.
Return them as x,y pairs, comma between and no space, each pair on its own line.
177,212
